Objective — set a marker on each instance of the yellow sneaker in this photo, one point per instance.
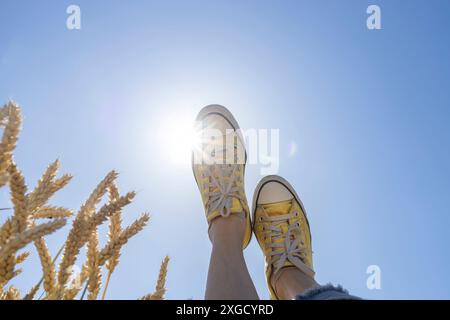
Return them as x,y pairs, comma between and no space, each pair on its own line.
218,163
281,228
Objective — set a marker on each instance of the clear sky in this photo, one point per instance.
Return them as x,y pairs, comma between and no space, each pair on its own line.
367,109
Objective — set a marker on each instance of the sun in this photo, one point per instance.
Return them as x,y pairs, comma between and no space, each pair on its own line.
178,136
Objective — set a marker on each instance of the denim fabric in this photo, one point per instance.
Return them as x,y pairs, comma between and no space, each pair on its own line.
326,292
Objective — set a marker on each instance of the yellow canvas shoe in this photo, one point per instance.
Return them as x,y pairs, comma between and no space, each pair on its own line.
281,228
218,163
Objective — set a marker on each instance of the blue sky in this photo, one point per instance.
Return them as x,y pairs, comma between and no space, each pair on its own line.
368,110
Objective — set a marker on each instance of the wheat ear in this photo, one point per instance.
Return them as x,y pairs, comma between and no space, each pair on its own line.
38,285
18,190
111,248
36,197
5,232
95,276
7,265
4,178
160,289
88,207
22,257
30,294
48,268
46,187
19,241
115,228
71,293
50,212
10,134
81,230
79,234
12,294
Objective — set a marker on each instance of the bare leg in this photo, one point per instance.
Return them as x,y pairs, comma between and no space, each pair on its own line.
290,282
228,277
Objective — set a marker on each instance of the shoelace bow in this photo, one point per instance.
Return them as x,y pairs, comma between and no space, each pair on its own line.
220,191
292,248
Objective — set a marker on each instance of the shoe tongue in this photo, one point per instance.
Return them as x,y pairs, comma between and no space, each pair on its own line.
279,208
236,206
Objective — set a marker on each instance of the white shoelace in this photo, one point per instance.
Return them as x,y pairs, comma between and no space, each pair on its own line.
224,191
293,249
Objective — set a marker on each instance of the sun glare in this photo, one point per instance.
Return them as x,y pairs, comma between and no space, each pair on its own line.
178,137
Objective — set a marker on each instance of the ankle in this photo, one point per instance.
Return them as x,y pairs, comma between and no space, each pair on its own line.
227,231
290,281
275,282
